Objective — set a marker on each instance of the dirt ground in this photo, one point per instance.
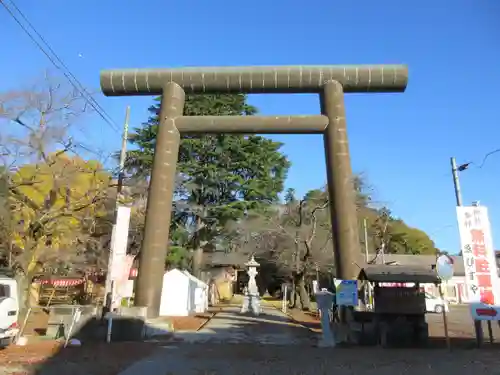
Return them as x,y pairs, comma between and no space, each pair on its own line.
189,323
49,357
37,322
307,319
243,359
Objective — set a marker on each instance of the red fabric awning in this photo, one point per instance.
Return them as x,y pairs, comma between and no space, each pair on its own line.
61,282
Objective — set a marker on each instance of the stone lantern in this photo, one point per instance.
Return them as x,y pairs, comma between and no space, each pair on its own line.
251,299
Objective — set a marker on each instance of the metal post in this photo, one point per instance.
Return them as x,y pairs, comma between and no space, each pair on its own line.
445,317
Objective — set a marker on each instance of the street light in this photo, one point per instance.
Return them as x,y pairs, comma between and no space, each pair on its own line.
456,181
463,167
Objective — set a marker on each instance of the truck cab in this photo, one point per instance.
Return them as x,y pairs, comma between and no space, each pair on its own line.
9,310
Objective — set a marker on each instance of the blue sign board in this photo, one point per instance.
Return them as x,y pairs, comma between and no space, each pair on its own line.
346,292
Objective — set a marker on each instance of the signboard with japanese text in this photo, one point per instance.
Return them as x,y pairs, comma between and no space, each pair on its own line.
346,292
481,276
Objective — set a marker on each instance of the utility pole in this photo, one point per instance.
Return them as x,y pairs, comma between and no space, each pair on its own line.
121,173
458,196
382,246
123,155
456,181
365,227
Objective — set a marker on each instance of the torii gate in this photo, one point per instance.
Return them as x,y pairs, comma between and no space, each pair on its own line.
330,82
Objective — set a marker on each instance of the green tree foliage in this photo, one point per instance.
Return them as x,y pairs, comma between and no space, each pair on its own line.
396,235
221,176
177,257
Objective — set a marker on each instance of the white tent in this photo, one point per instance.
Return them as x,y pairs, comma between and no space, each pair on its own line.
200,295
182,294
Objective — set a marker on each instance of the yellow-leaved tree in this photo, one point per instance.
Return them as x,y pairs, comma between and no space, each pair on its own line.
53,199
55,208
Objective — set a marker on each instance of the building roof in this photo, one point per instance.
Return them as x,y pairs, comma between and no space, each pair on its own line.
422,260
399,274
221,258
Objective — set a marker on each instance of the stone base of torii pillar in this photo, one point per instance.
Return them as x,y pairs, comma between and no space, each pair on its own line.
251,299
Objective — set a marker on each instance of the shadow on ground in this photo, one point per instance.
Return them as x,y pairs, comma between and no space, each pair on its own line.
270,327
95,356
267,344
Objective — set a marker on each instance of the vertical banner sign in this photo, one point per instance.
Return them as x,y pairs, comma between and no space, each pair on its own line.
481,275
119,242
123,283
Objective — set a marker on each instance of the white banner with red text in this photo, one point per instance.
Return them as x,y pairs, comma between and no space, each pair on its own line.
481,275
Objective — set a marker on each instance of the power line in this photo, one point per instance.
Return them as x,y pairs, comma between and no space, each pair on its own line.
69,76
81,88
463,167
488,155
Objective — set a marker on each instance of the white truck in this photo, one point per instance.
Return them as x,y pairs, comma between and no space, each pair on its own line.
9,310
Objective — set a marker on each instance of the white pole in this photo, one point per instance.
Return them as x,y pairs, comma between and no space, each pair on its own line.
76,318
123,154
365,226
21,331
285,299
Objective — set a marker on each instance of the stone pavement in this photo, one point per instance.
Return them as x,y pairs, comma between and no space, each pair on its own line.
226,328
271,327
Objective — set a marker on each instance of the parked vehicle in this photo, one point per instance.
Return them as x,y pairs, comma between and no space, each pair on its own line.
435,304
9,310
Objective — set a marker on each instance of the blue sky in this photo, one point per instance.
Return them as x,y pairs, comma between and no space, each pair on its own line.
401,142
